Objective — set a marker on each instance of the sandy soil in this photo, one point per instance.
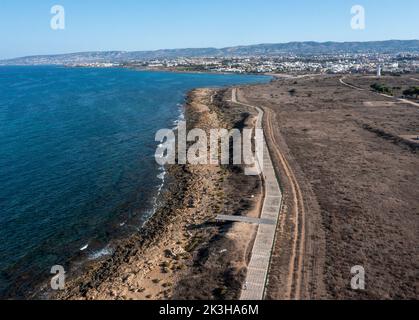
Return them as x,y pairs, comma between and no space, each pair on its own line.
182,252
351,187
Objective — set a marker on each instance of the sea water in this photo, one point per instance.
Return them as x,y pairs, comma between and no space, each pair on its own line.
77,159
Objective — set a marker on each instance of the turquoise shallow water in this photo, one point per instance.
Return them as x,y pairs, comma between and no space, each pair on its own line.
76,159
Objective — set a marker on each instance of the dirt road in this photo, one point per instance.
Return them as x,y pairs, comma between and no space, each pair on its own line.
342,81
297,236
349,179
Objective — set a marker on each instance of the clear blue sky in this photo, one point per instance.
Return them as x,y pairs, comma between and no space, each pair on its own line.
156,24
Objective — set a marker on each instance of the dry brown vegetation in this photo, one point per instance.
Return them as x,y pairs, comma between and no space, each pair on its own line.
359,172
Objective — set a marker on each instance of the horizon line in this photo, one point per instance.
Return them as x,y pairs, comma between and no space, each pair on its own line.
194,48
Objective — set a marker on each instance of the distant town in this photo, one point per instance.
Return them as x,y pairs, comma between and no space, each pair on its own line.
324,64
393,56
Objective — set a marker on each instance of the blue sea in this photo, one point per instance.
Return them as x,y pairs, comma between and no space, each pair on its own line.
77,159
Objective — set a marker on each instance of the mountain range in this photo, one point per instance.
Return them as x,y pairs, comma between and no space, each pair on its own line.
297,48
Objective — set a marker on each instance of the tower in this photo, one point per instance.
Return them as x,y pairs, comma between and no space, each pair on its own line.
379,71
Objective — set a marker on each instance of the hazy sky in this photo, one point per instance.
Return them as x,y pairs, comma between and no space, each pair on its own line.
156,24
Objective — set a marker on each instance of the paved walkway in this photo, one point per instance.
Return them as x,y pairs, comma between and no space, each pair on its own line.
257,270
245,220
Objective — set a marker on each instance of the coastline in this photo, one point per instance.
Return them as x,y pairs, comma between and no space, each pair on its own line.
90,253
173,245
168,70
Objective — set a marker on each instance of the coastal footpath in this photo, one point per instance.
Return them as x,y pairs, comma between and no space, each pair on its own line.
348,166
183,252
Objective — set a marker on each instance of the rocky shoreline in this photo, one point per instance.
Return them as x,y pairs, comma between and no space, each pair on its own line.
181,252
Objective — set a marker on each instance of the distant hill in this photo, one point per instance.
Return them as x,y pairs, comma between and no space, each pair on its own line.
299,48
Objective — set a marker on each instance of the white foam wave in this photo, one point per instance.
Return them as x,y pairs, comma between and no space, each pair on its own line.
101,253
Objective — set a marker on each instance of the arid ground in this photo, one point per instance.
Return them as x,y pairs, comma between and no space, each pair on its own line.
348,164
347,161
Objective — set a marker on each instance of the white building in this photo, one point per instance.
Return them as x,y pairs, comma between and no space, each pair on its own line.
379,70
